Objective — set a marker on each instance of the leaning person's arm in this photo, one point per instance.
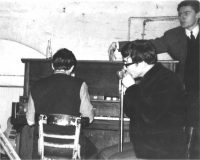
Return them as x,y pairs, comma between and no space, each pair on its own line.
86,108
30,114
161,44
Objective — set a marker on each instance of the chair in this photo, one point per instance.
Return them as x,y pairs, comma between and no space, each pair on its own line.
53,120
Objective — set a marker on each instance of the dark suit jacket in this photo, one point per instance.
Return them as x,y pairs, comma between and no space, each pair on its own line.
174,41
157,102
157,115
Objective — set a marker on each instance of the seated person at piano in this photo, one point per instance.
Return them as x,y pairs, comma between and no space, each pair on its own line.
62,93
155,105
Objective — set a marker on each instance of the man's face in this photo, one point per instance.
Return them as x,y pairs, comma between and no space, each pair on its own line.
134,69
188,17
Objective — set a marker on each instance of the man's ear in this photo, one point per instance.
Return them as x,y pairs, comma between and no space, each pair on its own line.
71,69
198,16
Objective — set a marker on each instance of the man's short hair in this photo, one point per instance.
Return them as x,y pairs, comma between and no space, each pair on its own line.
64,59
193,3
140,50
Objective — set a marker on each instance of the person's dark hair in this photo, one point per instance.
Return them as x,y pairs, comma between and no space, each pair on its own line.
140,50
64,59
193,3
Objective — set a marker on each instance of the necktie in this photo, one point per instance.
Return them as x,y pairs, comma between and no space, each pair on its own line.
192,36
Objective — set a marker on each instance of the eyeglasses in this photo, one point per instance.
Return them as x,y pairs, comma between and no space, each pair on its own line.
128,64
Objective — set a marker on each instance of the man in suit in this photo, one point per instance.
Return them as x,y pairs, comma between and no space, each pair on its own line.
182,44
155,105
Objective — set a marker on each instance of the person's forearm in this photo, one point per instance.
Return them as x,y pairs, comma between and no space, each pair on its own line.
86,108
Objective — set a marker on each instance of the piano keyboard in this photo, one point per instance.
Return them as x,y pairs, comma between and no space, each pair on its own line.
110,118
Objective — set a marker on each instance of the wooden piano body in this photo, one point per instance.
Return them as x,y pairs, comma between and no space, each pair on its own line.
103,85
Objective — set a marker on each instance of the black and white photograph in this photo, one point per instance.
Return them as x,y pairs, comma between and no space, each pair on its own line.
99,79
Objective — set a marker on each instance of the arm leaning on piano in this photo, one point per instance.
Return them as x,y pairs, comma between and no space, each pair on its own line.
86,108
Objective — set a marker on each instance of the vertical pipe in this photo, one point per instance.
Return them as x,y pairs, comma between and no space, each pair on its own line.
129,28
121,116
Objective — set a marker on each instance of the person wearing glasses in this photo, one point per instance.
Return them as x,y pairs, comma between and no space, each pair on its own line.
155,105
182,43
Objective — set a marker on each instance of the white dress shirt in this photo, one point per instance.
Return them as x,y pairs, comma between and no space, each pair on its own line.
195,31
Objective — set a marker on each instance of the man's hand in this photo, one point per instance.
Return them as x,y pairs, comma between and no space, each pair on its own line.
128,81
111,50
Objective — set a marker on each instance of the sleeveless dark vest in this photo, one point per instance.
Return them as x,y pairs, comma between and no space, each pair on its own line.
57,94
191,78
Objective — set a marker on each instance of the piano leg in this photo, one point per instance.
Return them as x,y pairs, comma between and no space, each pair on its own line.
17,143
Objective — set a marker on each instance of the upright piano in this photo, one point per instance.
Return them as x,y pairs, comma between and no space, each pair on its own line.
104,89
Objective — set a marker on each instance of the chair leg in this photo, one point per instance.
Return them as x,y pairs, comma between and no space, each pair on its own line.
76,153
41,140
79,152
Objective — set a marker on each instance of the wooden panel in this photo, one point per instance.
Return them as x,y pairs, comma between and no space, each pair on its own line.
39,70
112,108
101,77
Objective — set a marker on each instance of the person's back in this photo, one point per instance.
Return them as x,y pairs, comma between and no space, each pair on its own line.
57,94
61,93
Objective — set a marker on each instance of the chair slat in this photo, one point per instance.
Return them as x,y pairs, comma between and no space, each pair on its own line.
59,136
56,145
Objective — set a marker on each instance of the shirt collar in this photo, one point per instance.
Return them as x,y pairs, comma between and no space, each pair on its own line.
195,31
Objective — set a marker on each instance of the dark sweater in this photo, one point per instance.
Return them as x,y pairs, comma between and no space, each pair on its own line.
157,102
57,94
